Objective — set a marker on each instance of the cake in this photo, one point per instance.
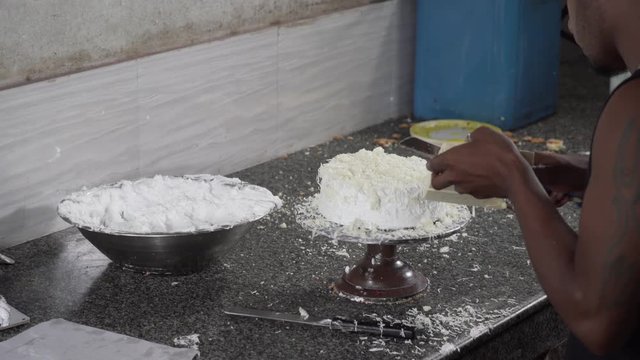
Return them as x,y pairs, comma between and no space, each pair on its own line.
168,204
376,190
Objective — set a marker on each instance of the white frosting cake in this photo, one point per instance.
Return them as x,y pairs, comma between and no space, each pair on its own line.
376,189
167,204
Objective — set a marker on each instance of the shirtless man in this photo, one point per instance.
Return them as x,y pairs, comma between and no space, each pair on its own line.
592,277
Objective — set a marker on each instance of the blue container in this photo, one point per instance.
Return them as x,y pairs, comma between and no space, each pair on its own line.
494,61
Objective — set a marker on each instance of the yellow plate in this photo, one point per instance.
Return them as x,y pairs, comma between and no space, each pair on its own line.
447,130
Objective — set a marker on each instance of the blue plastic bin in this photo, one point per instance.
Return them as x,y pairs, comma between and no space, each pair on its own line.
494,61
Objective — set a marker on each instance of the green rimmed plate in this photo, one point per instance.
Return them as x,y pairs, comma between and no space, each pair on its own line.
447,130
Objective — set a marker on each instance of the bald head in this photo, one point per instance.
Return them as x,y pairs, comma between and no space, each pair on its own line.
603,29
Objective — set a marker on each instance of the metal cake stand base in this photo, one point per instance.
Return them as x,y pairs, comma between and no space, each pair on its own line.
380,276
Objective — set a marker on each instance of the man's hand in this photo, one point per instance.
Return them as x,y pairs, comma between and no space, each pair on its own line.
487,166
562,175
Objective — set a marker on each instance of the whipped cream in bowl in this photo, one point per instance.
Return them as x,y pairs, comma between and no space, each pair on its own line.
167,224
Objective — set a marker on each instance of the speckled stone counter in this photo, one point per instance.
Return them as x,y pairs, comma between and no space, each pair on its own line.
483,302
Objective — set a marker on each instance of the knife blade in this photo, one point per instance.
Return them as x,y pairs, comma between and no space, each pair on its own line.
423,148
396,330
428,150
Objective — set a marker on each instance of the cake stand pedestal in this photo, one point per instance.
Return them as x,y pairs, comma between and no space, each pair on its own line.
381,276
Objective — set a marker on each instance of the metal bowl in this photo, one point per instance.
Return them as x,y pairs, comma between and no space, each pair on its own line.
166,254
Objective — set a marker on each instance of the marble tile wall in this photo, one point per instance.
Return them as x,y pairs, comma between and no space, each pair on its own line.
216,108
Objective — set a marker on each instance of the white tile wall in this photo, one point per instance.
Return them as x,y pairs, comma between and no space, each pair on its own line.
216,108
210,108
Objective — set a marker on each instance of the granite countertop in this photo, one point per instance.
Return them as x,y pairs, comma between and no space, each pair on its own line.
481,280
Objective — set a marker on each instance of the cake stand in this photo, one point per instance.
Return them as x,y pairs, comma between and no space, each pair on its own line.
381,276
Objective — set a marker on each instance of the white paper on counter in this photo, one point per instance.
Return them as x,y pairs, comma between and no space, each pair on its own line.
16,318
59,339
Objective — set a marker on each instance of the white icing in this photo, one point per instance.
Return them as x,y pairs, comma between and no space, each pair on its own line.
375,189
450,219
188,341
447,349
478,330
5,312
167,204
304,315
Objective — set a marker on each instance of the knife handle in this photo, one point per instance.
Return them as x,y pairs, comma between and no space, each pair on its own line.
374,328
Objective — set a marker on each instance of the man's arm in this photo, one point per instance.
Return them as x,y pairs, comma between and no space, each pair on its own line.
593,282
591,277
562,173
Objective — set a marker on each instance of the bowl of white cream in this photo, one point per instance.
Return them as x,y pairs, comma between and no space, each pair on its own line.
167,224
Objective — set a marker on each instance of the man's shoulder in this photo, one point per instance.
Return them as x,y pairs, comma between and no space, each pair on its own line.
626,96
623,105
621,113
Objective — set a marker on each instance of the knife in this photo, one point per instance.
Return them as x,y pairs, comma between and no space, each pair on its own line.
383,328
429,150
